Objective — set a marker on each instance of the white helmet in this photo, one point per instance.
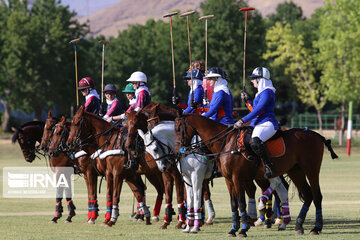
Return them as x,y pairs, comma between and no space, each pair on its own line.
260,72
137,77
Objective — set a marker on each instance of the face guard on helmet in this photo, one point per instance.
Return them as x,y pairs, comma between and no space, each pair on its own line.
85,83
137,77
216,72
196,74
260,72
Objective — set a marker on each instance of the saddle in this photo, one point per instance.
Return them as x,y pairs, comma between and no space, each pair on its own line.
275,145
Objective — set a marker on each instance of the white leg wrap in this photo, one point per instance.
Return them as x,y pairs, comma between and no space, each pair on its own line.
145,209
210,209
114,213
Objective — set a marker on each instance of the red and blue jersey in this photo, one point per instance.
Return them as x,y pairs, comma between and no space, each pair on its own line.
221,107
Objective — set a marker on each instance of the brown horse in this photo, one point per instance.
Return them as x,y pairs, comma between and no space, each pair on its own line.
302,159
138,120
83,164
28,135
152,114
90,130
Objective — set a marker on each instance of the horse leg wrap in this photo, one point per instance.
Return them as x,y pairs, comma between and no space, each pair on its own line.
262,202
158,203
71,207
114,213
197,215
58,210
169,212
268,213
210,209
93,209
245,225
319,219
182,212
285,212
108,211
190,217
252,208
235,221
301,218
145,209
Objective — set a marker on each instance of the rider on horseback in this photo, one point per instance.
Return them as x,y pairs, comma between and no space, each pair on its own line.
113,104
196,90
142,94
262,116
222,102
92,99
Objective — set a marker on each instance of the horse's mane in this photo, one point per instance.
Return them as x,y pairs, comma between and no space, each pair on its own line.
31,123
162,108
97,117
204,118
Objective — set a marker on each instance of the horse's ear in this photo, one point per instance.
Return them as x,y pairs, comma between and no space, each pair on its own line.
141,133
13,129
50,114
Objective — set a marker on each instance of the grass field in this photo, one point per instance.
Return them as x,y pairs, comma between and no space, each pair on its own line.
29,218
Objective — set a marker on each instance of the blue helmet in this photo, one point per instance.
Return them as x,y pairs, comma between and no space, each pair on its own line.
196,74
260,72
216,72
110,88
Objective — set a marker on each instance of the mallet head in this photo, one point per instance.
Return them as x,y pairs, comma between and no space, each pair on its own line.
74,40
247,9
170,14
187,13
104,42
206,17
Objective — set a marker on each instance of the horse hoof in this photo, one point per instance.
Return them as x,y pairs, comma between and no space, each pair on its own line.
155,218
180,225
164,225
315,231
299,232
232,233
140,220
51,222
148,222
277,221
110,223
67,221
267,226
242,233
259,222
209,221
91,221
195,230
187,229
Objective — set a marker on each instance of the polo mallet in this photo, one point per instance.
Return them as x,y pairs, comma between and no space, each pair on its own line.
169,15
187,14
74,41
103,42
246,14
205,99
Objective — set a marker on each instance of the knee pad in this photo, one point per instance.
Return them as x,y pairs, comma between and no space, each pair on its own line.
255,144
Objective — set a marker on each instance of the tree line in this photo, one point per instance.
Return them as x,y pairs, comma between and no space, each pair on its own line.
314,62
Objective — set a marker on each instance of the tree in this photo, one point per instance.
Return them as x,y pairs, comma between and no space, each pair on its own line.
36,67
287,12
288,51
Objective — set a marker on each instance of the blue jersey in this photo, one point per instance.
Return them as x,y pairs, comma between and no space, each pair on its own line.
198,97
221,107
263,109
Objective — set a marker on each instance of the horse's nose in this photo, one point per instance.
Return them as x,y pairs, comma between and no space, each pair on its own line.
163,169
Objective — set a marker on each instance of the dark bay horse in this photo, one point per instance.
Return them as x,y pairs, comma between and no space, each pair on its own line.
27,136
302,159
81,162
87,130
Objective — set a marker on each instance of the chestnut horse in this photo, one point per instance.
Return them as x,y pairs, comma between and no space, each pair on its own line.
302,159
88,130
152,114
80,161
27,136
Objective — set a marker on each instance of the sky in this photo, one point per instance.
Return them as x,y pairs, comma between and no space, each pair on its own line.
88,7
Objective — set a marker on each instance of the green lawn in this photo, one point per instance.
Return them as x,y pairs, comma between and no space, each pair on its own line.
28,218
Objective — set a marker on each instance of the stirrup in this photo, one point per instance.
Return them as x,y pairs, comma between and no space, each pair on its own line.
269,173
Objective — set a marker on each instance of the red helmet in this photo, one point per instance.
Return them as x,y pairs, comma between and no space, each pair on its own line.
85,83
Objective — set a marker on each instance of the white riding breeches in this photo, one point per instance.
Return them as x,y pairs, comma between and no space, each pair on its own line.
264,131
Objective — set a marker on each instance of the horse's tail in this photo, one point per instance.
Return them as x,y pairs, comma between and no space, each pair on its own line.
327,143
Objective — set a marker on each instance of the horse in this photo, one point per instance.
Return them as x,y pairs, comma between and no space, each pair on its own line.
302,159
87,130
147,117
27,136
194,168
81,162
153,113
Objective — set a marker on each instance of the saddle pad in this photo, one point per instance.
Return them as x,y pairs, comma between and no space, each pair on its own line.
276,147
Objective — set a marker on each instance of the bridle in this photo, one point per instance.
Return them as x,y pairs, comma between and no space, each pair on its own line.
170,155
51,128
25,146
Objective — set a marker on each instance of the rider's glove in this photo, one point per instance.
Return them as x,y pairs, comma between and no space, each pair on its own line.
239,124
244,96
